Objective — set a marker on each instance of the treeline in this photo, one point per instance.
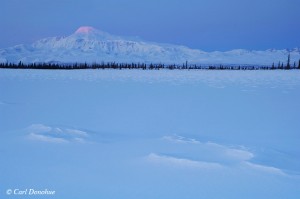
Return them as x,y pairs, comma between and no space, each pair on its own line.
143,66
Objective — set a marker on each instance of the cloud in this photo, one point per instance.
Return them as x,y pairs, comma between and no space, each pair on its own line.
43,133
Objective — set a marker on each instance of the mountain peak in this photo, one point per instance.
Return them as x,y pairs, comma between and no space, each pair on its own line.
94,34
90,45
85,30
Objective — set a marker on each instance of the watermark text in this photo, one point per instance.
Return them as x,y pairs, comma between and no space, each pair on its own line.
21,192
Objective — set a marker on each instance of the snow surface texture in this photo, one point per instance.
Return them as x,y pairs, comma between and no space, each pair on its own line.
151,134
90,45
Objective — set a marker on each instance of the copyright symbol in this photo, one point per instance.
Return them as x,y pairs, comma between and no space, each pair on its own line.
8,191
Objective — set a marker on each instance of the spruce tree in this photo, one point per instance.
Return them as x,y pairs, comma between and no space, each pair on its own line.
288,66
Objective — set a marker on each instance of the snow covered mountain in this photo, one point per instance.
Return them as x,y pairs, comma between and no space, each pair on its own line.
90,45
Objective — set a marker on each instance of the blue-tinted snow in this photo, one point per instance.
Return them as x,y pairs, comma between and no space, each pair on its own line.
151,134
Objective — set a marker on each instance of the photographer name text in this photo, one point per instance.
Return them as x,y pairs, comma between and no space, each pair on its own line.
29,192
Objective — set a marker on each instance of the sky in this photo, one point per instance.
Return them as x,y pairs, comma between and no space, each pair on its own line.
202,24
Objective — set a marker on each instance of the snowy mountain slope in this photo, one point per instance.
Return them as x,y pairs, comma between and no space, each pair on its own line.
90,45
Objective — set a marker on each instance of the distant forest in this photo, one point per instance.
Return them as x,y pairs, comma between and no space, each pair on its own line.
143,66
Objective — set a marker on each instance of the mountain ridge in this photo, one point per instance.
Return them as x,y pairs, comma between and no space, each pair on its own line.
90,45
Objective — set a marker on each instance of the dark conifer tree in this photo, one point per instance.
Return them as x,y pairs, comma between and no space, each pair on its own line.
20,64
288,66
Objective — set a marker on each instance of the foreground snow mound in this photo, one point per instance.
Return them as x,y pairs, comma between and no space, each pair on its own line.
90,45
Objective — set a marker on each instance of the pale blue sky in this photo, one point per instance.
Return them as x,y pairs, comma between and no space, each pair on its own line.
203,24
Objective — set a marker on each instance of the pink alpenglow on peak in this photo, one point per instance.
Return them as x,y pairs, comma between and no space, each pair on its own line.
85,29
